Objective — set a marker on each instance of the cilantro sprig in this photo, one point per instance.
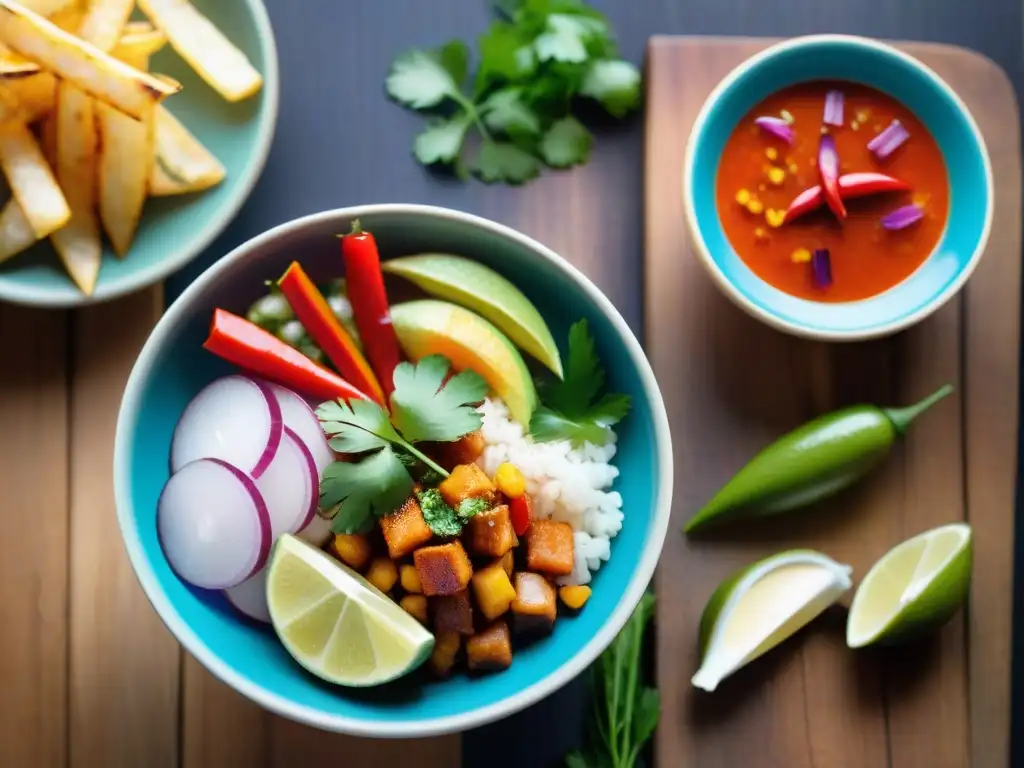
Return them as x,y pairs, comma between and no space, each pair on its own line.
532,64
424,407
574,408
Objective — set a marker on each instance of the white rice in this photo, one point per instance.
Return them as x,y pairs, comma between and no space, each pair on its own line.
567,484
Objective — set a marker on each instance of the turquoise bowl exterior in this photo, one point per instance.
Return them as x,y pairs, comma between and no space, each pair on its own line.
174,230
918,88
172,367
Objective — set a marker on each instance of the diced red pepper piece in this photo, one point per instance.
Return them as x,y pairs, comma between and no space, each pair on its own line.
313,311
850,185
828,170
248,346
520,510
370,304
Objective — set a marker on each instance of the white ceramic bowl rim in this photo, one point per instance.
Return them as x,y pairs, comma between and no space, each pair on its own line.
735,294
177,257
634,590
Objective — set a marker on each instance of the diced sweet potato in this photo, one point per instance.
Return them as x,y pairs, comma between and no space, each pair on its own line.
352,549
467,481
574,597
493,591
549,548
453,613
535,608
410,579
446,648
444,569
405,529
507,563
415,606
465,450
490,649
382,573
489,534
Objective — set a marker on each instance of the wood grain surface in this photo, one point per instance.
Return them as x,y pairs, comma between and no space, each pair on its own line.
732,385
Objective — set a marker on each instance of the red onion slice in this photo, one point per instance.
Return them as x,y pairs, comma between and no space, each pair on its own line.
828,170
235,419
250,597
833,108
902,217
317,532
213,525
776,127
298,415
290,486
889,140
821,268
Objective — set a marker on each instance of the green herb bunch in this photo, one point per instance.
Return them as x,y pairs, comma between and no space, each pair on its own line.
533,63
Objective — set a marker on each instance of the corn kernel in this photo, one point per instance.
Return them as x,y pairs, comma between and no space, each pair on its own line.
574,597
920,199
854,125
761,234
510,480
352,549
743,197
785,115
415,606
774,217
793,168
382,573
410,578
800,256
755,206
776,176
863,115
771,153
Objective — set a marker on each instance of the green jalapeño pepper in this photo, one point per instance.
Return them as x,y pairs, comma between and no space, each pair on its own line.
812,462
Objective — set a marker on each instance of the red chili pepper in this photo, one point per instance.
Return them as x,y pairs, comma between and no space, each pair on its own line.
850,185
326,330
828,169
248,346
520,511
370,304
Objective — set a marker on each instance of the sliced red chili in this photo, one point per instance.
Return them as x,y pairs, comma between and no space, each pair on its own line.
850,185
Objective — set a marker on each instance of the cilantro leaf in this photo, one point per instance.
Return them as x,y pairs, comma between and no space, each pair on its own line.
470,507
356,426
564,38
422,80
441,141
424,407
566,143
506,111
439,517
454,57
570,408
371,488
506,55
614,84
503,161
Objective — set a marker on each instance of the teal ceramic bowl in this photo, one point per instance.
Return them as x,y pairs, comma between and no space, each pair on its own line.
172,367
174,230
905,78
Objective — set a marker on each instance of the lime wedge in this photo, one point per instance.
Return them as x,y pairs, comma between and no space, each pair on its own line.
916,587
761,605
480,288
335,623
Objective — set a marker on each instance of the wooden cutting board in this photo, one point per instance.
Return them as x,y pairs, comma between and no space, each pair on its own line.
732,385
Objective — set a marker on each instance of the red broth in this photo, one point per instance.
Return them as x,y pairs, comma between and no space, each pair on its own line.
866,259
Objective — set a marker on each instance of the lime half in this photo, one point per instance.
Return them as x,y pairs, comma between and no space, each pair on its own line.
761,605
917,586
335,623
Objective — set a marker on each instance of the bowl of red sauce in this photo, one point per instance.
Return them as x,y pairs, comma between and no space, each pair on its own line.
837,188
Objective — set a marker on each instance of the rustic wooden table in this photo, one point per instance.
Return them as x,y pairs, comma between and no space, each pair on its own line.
91,677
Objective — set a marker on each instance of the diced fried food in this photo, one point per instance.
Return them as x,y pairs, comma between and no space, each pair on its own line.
446,649
77,242
574,597
489,533
405,529
410,579
129,90
507,563
382,573
466,450
493,591
452,613
549,548
415,606
182,164
491,649
204,47
467,481
444,569
534,608
510,480
353,549
16,233
104,22
125,160
31,181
